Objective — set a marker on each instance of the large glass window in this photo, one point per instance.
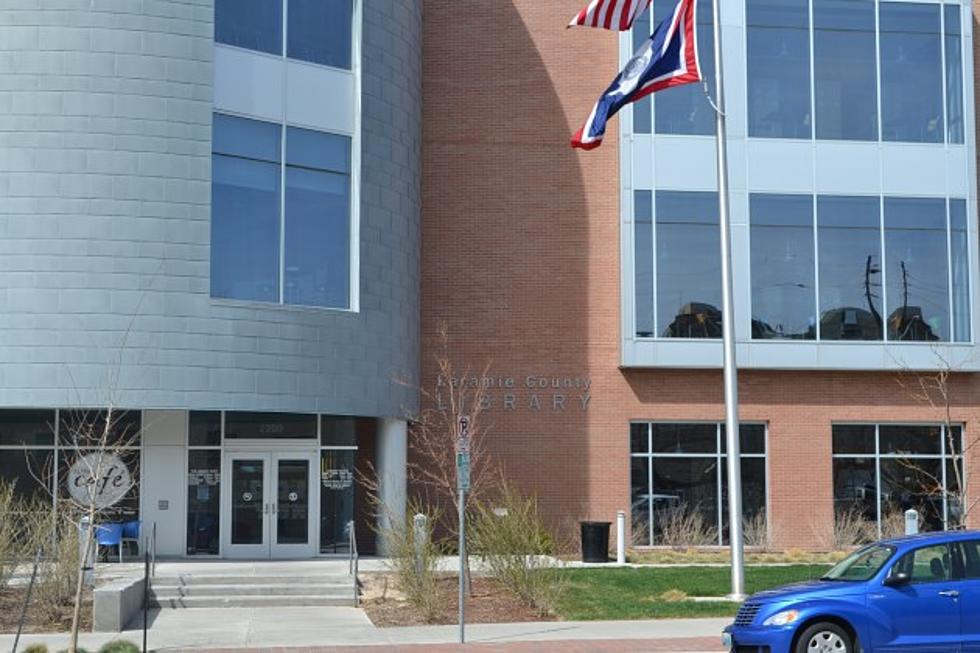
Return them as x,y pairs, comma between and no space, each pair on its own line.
911,72
252,24
642,108
953,42
960,269
783,293
845,79
688,272
779,68
880,471
916,269
318,31
336,499
643,262
685,109
317,219
203,501
678,483
245,218
849,233
249,231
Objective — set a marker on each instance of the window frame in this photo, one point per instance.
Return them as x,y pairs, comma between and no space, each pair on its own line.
718,456
353,220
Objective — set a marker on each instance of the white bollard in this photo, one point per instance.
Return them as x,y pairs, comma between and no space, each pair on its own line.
911,522
420,525
621,538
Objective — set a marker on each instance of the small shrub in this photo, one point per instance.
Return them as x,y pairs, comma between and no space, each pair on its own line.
10,547
851,529
684,526
54,591
517,549
755,530
414,560
36,648
119,646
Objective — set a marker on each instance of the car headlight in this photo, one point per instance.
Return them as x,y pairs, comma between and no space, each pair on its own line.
783,618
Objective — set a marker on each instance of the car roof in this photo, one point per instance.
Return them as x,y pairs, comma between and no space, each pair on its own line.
929,538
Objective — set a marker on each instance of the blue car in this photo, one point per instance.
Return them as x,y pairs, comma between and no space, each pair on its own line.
916,593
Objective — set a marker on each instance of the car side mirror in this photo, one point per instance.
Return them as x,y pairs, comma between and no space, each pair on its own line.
897,579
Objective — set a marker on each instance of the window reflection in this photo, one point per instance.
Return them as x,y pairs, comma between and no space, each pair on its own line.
954,73
643,262
916,269
779,68
960,263
783,300
688,268
845,79
911,73
320,31
252,24
685,109
642,108
849,233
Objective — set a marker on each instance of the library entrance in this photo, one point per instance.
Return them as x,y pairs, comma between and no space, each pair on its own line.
270,504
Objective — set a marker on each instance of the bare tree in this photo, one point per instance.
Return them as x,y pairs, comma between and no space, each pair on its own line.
934,390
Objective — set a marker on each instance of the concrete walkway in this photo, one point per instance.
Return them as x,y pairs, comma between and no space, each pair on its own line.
330,628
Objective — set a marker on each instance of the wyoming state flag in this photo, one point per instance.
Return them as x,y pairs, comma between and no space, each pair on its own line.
668,58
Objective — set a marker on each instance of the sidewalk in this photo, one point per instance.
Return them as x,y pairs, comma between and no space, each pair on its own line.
337,630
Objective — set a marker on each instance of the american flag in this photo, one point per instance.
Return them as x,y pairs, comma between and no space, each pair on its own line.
610,14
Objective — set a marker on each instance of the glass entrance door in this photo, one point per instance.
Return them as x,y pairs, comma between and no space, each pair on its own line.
269,505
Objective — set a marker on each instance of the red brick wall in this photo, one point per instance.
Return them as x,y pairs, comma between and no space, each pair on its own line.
521,261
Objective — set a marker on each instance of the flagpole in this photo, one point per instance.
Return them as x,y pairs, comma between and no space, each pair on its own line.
728,328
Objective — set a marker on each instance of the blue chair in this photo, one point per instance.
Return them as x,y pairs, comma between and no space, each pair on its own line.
131,533
110,535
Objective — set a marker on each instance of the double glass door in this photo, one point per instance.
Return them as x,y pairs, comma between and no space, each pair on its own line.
270,503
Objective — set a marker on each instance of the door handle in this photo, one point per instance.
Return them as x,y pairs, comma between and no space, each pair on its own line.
275,507
950,593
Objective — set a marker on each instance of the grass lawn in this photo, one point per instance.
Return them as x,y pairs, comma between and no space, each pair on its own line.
608,594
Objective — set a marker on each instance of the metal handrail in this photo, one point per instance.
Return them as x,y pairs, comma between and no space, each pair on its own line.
151,549
353,560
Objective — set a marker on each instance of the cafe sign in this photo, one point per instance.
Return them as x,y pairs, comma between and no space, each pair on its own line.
99,478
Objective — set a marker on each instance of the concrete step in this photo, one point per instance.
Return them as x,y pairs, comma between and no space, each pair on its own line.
185,580
298,601
241,589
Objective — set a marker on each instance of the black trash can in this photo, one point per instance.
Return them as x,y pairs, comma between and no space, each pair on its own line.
595,541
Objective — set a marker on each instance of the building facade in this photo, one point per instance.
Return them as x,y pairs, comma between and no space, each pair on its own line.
242,224
210,220
590,282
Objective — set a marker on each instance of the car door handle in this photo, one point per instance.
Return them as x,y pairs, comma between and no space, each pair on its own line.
950,593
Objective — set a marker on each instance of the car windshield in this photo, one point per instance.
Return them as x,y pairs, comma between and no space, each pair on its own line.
861,565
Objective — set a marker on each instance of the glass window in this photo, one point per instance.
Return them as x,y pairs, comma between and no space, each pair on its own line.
845,76
931,564
913,475
91,428
128,507
245,209
338,431
778,68
849,235
643,262
336,499
911,72
675,489
688,268
971,559
918,304
960,268
685,109
203,501
685,438
204,428
320,31
861,565
247,426
317,219
642,108
26,427
782,264
252,24
30,471
954,73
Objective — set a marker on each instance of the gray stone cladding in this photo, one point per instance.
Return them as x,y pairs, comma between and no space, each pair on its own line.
105,141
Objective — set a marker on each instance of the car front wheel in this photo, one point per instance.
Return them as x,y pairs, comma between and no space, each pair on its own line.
824,637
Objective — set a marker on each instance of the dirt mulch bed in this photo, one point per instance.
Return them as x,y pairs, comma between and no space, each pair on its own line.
490,602
38,620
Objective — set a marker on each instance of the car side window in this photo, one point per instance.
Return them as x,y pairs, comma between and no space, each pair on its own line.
971,559
931,564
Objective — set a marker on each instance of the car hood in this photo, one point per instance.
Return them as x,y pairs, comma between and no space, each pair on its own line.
814,589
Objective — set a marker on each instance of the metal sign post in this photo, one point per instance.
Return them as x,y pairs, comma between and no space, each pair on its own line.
463,485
